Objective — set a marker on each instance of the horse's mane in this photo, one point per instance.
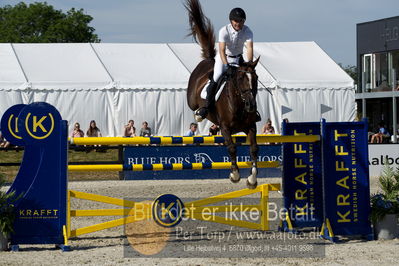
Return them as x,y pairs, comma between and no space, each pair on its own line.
201,29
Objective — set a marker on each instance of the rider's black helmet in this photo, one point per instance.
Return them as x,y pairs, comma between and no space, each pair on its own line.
237,14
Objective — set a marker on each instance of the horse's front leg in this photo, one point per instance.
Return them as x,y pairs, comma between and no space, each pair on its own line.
232,149
252,183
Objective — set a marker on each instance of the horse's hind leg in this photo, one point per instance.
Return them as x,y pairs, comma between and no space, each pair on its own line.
232,149
252,183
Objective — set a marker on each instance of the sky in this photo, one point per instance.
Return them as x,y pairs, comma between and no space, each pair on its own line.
330,23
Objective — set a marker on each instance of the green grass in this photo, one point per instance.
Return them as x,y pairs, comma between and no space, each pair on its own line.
9,172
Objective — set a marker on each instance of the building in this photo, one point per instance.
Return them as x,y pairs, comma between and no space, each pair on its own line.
378,73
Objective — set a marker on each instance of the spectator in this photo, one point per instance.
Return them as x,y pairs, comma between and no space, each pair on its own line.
145,131
382,132
192,131
77,132
3,142
93,130
214,130
268,128
130,130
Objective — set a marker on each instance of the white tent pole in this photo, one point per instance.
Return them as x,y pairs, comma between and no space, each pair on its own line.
102,63
167,44
260,63
19,63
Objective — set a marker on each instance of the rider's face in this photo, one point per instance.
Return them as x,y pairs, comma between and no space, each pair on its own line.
237,25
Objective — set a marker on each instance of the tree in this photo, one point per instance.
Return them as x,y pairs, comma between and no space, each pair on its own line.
41,23
350,70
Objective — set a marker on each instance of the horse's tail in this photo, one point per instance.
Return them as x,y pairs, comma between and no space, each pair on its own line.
201,29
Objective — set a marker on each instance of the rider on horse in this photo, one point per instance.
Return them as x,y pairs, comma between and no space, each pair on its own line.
235,110
232,38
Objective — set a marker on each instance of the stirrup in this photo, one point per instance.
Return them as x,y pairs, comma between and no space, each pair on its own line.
258,118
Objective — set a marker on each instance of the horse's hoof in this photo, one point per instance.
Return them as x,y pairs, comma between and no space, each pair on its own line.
198,118
252,177
235,177
252,186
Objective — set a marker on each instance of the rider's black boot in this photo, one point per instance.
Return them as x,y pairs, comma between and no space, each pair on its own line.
201,113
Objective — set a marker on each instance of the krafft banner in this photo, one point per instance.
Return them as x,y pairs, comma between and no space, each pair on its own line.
41,183
302,179
346,177
196,154
328,183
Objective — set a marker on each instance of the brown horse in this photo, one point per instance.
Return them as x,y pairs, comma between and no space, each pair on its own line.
235,110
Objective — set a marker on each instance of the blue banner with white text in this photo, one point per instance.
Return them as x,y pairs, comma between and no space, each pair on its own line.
195,154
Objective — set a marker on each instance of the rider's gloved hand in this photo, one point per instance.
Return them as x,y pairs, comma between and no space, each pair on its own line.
229,70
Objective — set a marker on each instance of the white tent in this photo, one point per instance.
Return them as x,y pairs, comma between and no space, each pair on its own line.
112,83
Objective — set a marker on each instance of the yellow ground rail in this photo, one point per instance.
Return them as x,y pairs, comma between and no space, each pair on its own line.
132,211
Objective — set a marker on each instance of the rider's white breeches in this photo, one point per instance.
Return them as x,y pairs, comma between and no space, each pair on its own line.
219,69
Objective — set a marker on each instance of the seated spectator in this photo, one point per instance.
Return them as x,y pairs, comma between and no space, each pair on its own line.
77,132
382,132
193,130
369,135
268,128
145,131
214,130
93,130
130,130
3,142
384,86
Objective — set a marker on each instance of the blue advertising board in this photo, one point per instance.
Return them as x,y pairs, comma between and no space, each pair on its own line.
346,177
302,176
326,184
41,181
148,154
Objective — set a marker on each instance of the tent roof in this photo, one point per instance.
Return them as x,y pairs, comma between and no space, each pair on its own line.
11,74
301,65
85,66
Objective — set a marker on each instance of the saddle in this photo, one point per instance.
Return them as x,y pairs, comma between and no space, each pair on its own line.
219,84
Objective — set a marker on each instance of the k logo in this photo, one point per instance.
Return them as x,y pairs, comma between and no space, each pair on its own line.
39,126
167,210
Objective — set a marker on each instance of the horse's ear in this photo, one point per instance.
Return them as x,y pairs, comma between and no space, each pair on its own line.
255,62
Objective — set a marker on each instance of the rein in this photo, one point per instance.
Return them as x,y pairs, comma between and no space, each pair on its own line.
240,92
245,71
250,72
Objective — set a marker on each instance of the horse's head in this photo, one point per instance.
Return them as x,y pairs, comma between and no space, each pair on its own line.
246,83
